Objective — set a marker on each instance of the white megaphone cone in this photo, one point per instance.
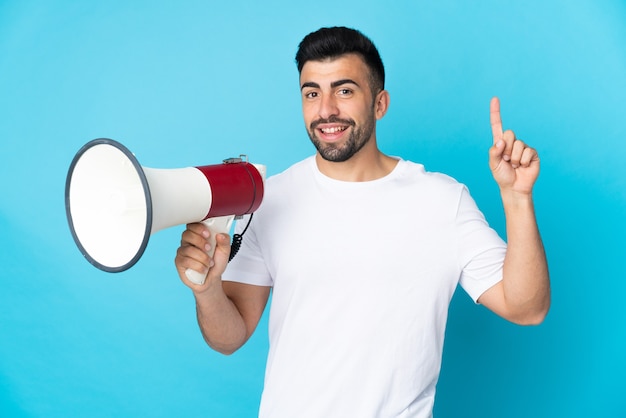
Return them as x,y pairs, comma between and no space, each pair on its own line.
113,204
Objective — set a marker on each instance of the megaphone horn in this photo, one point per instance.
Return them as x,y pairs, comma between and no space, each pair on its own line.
113,204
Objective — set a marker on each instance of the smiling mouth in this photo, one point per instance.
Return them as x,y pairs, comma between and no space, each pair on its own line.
333,130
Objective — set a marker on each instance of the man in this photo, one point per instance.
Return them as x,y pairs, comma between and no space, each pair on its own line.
363,252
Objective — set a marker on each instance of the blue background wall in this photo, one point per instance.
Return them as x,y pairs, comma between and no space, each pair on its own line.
191,82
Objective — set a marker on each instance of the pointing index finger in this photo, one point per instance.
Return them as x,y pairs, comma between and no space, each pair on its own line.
496,120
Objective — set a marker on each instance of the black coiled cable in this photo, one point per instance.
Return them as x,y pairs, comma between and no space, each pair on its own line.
237,239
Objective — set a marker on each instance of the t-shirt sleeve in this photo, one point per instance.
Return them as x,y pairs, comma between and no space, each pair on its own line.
481,250
248,266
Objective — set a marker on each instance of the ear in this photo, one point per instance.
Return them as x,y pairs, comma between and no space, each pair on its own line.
381,104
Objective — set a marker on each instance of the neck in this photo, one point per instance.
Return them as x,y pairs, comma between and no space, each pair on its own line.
365,165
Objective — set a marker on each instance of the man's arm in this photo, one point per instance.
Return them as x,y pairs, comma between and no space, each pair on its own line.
523,295
227,312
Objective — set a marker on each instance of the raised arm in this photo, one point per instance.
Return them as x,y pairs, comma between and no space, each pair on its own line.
227,312
523,296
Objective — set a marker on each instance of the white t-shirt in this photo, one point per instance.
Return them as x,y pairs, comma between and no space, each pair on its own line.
362,276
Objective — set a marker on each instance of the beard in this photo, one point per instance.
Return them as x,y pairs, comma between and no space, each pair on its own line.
359,136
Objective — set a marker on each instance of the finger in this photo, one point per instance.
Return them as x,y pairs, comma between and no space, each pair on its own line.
199,228
508,137
528,156
517,152
194,246
191,238
190,257
496,119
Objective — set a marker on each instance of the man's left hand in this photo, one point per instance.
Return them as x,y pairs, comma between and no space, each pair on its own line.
514,165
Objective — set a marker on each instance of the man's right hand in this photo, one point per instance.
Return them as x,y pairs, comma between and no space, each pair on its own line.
193,254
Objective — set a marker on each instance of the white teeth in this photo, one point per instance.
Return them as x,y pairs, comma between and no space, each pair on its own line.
333,130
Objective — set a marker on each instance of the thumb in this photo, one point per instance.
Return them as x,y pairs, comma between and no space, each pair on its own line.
221,254
222,248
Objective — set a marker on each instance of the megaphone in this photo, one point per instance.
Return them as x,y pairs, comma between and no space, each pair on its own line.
114,205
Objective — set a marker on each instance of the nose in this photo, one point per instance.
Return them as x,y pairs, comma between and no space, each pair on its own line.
328,106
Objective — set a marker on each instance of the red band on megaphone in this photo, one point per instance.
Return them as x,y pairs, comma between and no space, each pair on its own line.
236,188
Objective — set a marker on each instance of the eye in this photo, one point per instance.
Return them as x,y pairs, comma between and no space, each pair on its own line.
310,94
344,92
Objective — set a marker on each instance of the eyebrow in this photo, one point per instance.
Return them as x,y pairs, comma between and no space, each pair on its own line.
334,84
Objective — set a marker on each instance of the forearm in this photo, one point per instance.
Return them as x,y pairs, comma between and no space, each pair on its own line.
220,322
526,283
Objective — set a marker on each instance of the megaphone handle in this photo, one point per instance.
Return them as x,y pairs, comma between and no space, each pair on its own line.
217,225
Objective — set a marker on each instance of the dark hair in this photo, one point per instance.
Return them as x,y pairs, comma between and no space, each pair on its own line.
333,42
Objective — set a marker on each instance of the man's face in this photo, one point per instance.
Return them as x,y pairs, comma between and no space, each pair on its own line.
338,106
